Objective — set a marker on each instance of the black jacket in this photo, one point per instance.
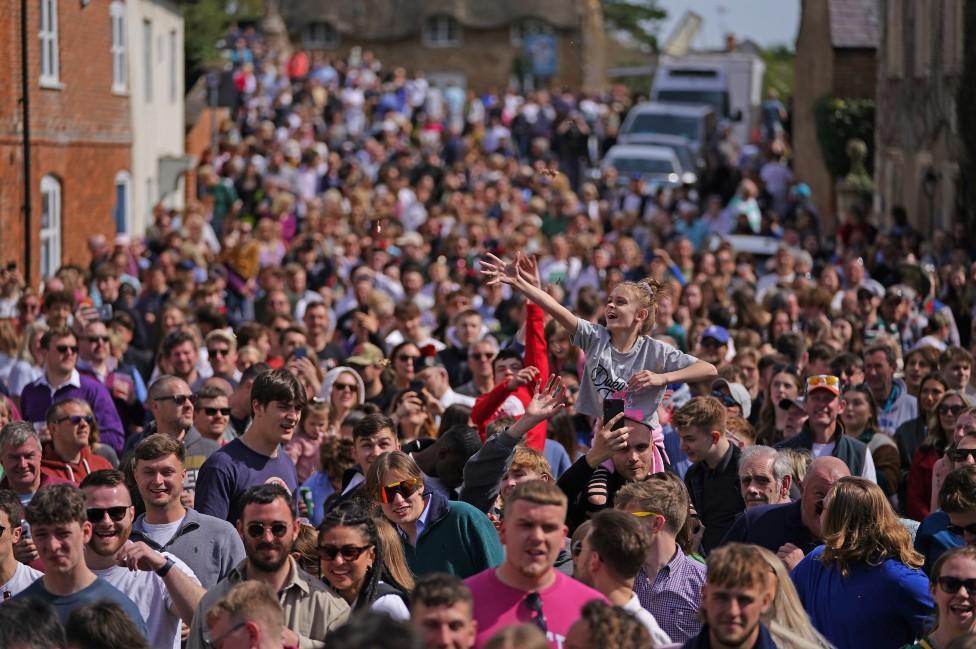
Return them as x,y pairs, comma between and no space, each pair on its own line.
716,496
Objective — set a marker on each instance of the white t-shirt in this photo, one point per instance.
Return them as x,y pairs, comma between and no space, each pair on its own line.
608,370
392,605
658,636
23,577
868,471
160,534
150,595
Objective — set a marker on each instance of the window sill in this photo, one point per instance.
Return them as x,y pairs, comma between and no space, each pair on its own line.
51,84
120,92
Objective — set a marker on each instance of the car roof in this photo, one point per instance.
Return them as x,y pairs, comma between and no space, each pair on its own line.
640,151
661,107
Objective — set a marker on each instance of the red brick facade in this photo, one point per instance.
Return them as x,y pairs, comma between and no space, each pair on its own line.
80,133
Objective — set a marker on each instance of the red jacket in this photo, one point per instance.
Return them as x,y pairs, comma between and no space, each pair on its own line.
73,472
918,490
486,407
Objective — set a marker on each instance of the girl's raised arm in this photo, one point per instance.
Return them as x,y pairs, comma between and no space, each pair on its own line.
516,274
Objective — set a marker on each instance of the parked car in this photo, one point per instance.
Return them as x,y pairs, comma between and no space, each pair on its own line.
657,166
697,123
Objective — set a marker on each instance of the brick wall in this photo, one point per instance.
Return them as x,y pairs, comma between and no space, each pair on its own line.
856,73
80,133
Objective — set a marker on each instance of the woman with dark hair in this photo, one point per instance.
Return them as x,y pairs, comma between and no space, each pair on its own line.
952,585
783,384
918,489
404,363
860,419
910,434
351,560
865,572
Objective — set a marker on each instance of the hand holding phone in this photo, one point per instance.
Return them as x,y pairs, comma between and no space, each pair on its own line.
612,408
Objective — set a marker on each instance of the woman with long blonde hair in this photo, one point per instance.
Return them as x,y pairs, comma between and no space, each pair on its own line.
865,572
786,620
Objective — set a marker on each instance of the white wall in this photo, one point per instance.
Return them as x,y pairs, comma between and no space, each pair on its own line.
157,116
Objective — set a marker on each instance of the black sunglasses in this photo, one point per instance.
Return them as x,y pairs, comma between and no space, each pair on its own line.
960,454
256,530
97,514
726,400
212,412
77,419
64,349
179,399
951,585
534,602
959,530
344,387
97,339
951,410
348,552
214,353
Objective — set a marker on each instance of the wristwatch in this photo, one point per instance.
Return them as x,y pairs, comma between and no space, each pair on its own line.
162,572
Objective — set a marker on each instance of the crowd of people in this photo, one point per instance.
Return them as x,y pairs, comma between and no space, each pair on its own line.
406,373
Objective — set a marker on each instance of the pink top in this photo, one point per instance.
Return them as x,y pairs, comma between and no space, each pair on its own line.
305,454
497,606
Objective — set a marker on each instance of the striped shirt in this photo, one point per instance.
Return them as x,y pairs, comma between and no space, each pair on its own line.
674,595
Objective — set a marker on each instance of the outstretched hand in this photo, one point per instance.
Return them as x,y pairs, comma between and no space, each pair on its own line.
528,267
547,399
499,271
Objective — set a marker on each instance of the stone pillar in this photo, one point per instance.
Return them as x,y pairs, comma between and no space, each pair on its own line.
593,53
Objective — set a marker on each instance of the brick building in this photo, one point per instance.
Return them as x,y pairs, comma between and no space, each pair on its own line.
836,56
81,136
919,146
476,43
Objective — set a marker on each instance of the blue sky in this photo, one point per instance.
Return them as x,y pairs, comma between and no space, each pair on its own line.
768,22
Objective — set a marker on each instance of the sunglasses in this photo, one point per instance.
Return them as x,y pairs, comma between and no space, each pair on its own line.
97,339
951,585
344,387
405,488
406,357
534,602
77,419
821,380
645,514
256,530
67,349
951,410
213,412
487,356
214,353
348,552
179,399
726,400
97,514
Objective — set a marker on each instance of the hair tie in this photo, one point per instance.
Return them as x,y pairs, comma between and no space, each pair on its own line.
646,287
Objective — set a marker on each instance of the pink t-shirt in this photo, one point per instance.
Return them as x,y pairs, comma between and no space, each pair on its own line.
305,454
497,606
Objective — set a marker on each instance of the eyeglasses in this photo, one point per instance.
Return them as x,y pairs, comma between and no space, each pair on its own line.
213,412
256,530
407,358
726,400
216,642
821,380
97,514
946,409
405,488
348,552
214,353
179,399
97,339
951,585
342,387
850,371
77,419
67,349
960,454
534,602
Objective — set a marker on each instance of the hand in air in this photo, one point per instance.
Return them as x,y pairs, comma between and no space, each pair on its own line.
524,376
547,400
499,271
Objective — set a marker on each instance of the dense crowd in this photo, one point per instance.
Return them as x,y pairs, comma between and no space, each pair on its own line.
407,372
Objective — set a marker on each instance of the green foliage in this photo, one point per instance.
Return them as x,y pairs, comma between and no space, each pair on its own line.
780,66
838,121
206,23
635,18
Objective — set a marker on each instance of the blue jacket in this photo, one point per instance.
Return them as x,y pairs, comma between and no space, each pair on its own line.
933,538
771,526
882,607
701,641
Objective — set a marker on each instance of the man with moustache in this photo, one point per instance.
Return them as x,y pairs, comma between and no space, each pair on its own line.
256,457
162,587
269,527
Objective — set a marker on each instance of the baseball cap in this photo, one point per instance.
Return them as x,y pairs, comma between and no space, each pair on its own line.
823,382
366,354
721,334
738,392
786,404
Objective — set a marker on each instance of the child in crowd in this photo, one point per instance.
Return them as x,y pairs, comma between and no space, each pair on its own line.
303,447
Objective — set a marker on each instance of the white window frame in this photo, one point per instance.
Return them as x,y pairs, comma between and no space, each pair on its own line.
49,58
120,71
50,236
124,179
438,31
527,27
147,60
320,35
174,57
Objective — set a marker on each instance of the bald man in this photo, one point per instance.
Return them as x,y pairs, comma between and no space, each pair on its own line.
793,529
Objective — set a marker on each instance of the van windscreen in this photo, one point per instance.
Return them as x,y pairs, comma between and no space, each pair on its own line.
667,125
